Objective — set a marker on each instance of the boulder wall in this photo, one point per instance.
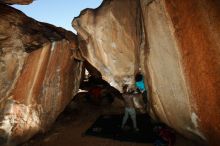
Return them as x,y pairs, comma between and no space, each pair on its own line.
176,45
109,39
38,77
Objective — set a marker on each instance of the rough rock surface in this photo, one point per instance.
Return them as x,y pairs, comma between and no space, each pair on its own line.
176,45
38,76
197,30
21,2
109,40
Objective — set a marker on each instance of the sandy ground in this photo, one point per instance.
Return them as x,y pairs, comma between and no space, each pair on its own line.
76,119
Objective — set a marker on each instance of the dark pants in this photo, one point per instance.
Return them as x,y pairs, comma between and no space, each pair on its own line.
144,94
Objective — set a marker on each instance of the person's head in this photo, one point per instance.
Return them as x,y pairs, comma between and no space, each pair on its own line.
138,77
128,89
131,90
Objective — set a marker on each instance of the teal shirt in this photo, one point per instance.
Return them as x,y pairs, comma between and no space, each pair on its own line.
140,85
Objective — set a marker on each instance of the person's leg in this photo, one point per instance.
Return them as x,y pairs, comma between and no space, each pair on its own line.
144,94
132,113
145,99
125,118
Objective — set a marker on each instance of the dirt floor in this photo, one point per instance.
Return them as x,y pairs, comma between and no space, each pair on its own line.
76,119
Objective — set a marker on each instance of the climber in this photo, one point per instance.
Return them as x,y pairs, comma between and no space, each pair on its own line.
129,107
139,83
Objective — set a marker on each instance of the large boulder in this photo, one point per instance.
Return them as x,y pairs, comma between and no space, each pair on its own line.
198,37
38,77
176,45
109,39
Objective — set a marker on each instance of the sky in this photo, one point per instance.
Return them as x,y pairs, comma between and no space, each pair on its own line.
57,12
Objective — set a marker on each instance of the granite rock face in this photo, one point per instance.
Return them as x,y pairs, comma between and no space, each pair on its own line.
176,46
38,77
198,37
109,40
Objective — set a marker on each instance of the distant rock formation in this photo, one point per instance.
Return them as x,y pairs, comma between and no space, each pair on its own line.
21,2
176,46
38,74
